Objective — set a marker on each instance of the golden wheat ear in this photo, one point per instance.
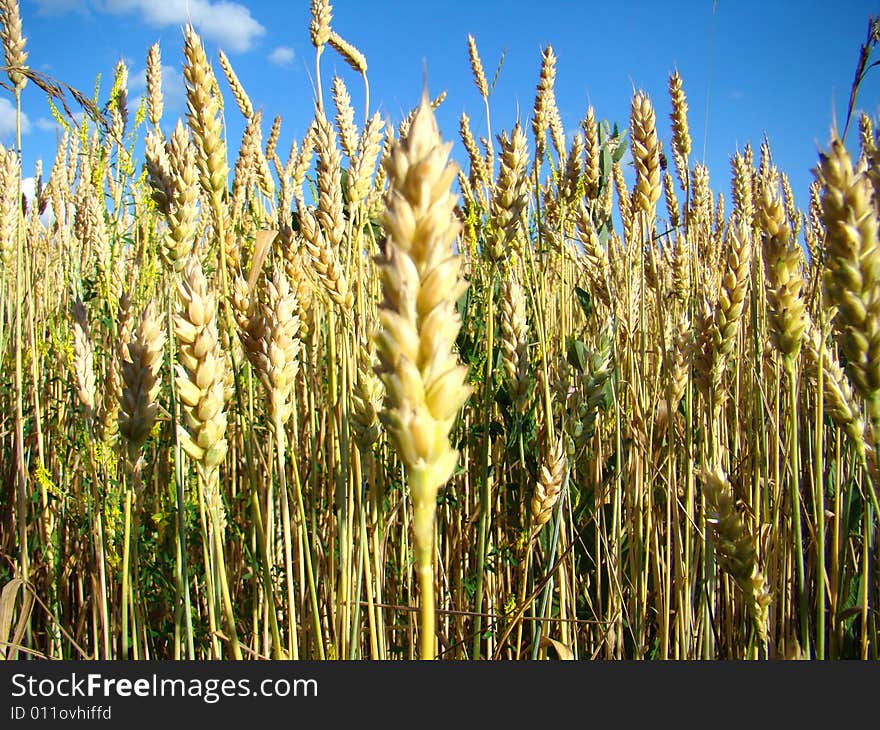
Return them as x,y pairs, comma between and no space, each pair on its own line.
13,43
852,273
735,546
425,386
141,379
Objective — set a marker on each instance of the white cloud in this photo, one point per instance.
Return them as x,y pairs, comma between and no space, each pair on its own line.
7,119
173,89
281,56
229,23
47,125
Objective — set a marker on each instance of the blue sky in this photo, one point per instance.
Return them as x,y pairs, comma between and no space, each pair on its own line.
780,68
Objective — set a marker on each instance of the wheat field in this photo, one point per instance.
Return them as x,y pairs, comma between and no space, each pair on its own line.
348,398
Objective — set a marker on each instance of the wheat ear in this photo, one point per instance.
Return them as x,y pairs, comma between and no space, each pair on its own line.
242,100
646,157
203,114
83,359
735,548
852,277
140,367
155,100
549,485
13,43
681,136
509,192
9,202
201,384
424,383
477,68
514,340
782,259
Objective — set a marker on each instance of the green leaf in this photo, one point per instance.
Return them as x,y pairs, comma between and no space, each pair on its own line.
577,354
605,164
343,180
620,151
462,304
585,300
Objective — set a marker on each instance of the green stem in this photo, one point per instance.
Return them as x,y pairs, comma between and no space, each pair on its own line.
183,576
125,569
486,479
21,512
266,573
551,559
819,510
310,573
210,594
292,643
424,506
794,458
212,483
98,538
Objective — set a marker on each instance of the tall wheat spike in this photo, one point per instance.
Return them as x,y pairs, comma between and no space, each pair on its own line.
514,339
646,157
549,485
83,358
784,279
13,43
681,136
9,203
200,372
141,380
508,192
852,278
425,385
203,113
201,378
735,548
